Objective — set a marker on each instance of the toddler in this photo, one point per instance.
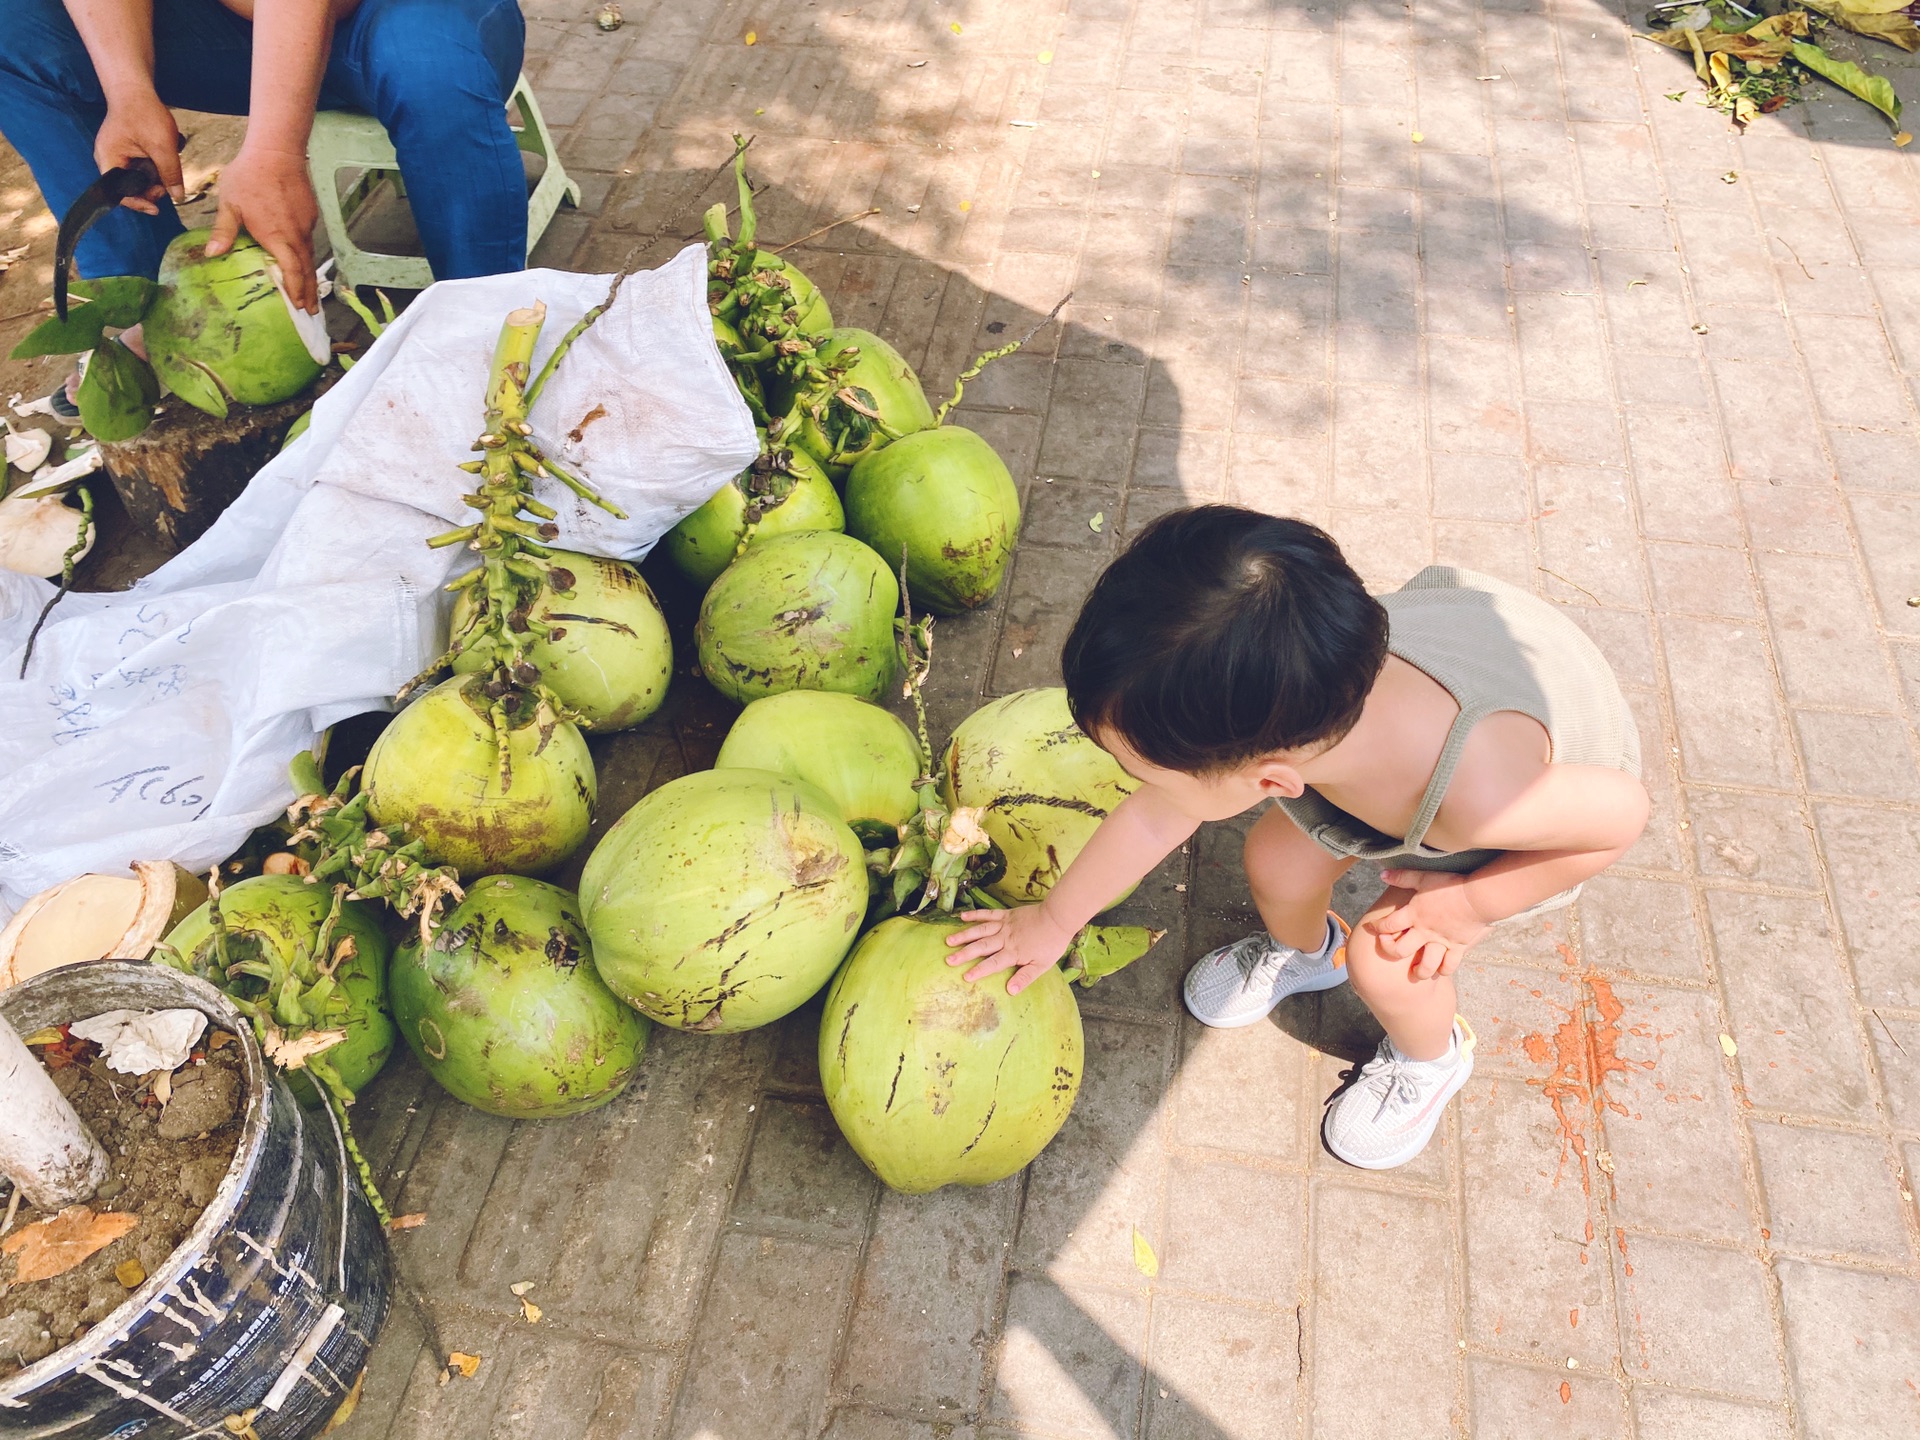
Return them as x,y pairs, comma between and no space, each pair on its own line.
1460,731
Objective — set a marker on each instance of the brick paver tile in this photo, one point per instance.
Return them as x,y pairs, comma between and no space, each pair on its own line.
1380,1259
1831,1193
1696,1316
1674,1415
1518,1402
1854,1343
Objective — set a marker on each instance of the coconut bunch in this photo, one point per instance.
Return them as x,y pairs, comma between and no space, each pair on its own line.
851,452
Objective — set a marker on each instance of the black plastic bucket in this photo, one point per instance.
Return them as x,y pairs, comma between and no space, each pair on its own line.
266,1311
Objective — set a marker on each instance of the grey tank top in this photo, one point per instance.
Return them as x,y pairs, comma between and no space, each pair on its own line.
1494,647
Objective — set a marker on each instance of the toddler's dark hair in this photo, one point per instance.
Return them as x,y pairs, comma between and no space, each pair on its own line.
1221,635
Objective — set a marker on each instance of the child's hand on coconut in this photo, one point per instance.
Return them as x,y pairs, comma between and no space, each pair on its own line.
1025,939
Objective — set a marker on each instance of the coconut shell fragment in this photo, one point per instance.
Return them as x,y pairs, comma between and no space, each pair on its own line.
97,917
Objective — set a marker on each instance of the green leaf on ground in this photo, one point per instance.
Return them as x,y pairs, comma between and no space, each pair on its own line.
1876,90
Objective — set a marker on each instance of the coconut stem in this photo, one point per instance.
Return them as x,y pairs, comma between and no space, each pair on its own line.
338,1097
68,562
981,362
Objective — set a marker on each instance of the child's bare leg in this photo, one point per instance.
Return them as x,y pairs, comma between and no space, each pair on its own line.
1416,1014
1292,880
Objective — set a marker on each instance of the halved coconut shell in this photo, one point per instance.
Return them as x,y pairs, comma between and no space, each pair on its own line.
97,917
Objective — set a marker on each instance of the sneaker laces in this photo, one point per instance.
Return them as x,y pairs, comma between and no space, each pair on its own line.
1391,1075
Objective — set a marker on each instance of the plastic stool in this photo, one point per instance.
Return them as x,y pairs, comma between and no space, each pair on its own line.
348,140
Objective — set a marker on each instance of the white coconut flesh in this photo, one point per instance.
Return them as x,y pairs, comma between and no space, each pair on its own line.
35,535
95,917
312,329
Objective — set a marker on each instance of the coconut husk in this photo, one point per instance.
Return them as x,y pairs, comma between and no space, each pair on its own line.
97,917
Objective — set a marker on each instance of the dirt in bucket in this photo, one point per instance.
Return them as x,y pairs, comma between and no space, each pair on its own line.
169,1142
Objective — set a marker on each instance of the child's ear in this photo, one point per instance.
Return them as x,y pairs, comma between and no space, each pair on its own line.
1276,777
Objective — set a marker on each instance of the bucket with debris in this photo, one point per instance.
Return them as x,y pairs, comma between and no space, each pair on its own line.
259,1320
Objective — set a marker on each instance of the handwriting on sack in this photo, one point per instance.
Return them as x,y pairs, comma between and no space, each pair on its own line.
154,785
74,711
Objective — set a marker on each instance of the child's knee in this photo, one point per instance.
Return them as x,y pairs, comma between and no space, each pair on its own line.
1279,853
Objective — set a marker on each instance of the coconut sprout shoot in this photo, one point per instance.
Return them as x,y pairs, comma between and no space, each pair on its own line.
514,531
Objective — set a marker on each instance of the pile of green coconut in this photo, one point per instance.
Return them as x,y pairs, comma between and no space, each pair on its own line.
827,850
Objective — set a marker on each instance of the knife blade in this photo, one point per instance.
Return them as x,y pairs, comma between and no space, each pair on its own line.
137,177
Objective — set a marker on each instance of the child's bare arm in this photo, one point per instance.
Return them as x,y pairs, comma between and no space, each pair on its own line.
1141,832
1562,825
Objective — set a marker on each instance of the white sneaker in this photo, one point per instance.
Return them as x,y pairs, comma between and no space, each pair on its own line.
1241,983
1388,1114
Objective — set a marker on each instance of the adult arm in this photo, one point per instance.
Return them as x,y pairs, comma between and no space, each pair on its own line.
266,190
118,35
1141,832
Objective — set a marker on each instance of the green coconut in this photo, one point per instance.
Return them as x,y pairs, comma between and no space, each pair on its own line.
812,315
505,1009
880,381
861,757
724,899
781,493
223,329
609,657
935,1081
280,916
1043,787
947,499
812,611
435,771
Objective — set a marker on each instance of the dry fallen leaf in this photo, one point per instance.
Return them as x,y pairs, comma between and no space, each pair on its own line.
408,1222
348,1405
163,1085
131,1274
520,1287
55,1245
467,1365
752,38
1144,1260
1728,1047
529,1311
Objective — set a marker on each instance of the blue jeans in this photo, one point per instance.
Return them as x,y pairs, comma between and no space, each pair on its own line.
435,73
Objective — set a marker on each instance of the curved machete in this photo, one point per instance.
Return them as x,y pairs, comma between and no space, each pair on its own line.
123,182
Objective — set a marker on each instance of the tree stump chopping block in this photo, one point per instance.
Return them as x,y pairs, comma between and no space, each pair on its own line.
177,475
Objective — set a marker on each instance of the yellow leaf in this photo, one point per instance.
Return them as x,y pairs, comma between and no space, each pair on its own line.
966,205
1905,137
348,1405
1418,137
1098,523
1144,1260
520,1287
131,1274
955,27
752,38
1046,57
1728,1047
49,1036
529,1311
467,1365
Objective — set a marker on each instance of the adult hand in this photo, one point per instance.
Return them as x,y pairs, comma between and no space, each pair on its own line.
1023,939
139,126
267,194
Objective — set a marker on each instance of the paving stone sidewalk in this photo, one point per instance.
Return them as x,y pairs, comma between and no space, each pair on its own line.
1476,282
1459,282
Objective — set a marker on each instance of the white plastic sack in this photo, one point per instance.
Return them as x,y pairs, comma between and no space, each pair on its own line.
157,724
